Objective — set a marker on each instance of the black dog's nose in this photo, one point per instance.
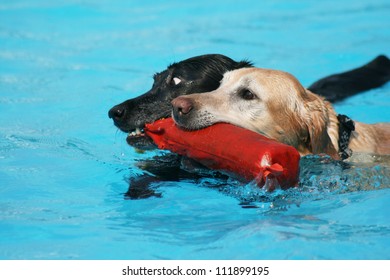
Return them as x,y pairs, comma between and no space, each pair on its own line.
116,112
182,105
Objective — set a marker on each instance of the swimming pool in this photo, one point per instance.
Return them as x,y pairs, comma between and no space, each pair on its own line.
64,167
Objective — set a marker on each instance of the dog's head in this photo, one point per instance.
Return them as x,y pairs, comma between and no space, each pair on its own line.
269,102
197,74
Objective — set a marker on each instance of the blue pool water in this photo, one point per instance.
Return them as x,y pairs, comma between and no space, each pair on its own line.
64,167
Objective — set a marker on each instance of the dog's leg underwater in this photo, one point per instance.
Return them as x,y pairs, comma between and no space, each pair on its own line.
168,167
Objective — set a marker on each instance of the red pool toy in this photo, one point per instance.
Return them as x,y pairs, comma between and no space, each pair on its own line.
232,149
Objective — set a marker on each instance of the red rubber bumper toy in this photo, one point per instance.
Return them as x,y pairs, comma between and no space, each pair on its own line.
232,149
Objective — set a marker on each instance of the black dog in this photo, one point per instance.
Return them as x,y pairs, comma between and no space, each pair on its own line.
197,74
203,74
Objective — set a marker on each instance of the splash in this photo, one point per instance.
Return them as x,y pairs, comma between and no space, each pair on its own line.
321,178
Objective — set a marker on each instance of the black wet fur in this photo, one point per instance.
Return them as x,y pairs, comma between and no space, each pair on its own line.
197,74
343,85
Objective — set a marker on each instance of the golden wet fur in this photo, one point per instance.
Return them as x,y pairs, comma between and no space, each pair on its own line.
276,105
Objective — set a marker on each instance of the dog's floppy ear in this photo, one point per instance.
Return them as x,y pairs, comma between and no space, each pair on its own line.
317,122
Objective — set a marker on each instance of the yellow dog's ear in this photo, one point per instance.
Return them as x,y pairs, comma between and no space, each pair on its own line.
317,122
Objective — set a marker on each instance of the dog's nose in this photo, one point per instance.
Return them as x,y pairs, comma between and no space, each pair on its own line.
182,105
116,112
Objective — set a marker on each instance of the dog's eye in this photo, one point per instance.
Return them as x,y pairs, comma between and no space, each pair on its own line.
175,81
247,94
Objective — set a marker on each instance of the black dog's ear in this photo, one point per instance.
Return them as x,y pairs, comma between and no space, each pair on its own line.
317,122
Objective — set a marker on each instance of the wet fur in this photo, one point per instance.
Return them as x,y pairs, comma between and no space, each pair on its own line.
196,74
281,109
204,73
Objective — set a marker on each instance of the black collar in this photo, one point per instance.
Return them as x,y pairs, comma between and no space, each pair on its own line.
346,126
